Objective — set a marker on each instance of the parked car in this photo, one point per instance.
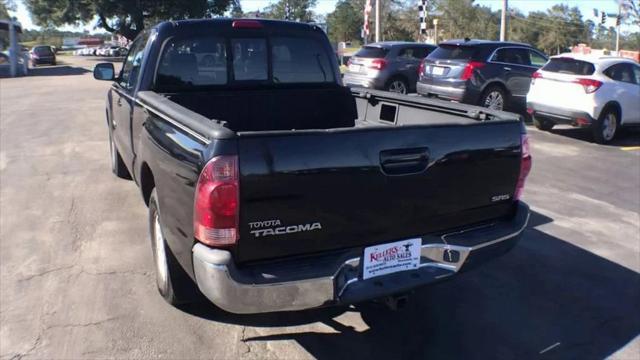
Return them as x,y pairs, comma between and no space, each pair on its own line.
602,93
115,51
272,187
42,54
492,74
391,66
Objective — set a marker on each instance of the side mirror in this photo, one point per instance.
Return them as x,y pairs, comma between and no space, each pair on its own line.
104,71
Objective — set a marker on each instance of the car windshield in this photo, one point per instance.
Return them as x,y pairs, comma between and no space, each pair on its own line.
452,52
565,65
372,52
42,50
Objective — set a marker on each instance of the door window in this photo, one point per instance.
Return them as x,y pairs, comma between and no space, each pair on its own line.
621,72
131,67
536,59
513,56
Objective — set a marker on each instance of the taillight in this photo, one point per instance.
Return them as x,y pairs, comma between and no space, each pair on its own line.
468,70
378,64
421,68
589,85
534,76
216,204
525,166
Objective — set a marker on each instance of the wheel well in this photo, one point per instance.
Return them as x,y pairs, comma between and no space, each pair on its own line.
496,84
612,105
398,76
147,182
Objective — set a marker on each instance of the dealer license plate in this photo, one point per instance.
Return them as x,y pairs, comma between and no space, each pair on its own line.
390,258
437,70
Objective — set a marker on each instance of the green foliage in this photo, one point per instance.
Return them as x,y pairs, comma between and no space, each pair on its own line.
124,17
345,22
300,10
463,18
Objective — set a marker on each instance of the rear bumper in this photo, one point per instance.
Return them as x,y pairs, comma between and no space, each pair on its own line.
456,91
559,115
337,279
351,79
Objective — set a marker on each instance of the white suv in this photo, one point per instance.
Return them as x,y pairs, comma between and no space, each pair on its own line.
598,92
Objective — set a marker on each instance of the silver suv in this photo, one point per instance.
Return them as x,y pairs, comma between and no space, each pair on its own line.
391,66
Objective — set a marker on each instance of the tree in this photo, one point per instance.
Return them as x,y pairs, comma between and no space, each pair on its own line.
299,10
345,22
124,17
463,18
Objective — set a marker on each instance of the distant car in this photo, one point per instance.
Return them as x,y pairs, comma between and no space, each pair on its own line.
602,93
114,51
487,73
42,54
5,65
391,66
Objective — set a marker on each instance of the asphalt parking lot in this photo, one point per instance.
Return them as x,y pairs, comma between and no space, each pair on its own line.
77,275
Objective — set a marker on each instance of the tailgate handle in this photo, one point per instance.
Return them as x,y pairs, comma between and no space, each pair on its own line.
404,161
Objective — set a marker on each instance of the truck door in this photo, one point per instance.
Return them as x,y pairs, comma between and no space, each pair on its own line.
123,100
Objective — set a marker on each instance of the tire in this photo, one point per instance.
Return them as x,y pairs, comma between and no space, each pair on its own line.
606,127
543,124
397,85
118,167
173,283
494,97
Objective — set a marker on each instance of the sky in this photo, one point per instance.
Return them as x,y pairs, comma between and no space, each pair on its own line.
326,6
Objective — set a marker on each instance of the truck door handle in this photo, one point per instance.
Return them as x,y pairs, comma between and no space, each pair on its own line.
506,68
404,161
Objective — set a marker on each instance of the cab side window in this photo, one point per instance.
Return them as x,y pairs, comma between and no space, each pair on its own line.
537,59
131,67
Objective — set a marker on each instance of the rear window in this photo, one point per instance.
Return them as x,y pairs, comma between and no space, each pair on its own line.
42,50
569,66
372,52
452,52
191,63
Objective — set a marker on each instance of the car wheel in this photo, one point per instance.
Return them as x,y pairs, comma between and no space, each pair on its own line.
398,85
117,164
493,98
543,124
606,127
173,283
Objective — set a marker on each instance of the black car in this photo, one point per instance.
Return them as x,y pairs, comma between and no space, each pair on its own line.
492,74
42,54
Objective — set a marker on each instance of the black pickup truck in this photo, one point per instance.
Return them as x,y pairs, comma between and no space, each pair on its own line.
273,187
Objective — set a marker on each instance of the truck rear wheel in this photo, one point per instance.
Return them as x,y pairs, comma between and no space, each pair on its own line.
175,286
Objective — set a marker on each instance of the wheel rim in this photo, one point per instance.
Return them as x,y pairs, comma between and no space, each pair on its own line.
398,87
161,258
609,126
494,100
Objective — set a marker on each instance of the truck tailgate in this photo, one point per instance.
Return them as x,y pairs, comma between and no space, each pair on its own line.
310,191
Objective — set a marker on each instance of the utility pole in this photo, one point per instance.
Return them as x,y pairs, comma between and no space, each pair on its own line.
377,20
618,29
503,21
435,31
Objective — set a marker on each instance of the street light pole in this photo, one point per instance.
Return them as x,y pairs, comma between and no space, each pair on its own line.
503,21
377,20
618,30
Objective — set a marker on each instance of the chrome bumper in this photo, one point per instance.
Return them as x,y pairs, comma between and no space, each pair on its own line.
234,291
449,92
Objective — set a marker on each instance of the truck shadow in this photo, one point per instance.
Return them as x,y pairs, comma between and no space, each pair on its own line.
546,298
58,70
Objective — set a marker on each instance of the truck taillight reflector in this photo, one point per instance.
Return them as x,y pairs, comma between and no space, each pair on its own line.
216,204
525,166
